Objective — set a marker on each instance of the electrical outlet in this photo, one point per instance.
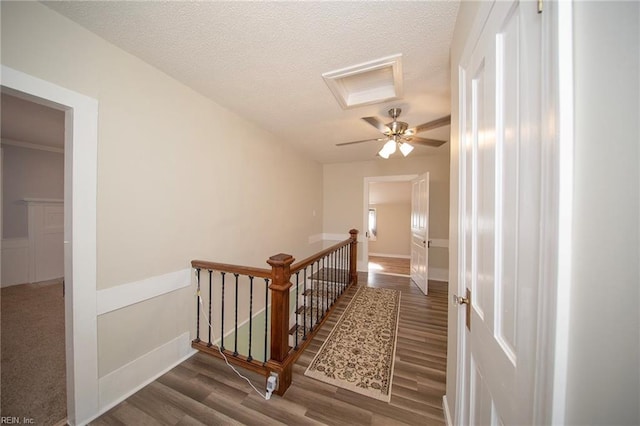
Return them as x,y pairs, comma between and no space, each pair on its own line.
272,382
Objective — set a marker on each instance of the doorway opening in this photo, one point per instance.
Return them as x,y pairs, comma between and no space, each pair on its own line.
387,242
80,187
33,317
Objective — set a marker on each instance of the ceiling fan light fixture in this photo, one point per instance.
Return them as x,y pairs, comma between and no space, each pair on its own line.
388,149
405,148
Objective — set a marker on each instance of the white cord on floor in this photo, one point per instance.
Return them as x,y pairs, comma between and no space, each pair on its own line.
266,395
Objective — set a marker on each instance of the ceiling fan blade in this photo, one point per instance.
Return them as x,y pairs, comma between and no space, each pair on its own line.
423,141
377,124
434,124
364,140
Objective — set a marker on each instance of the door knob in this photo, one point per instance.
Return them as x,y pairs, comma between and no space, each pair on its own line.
466,300
461,300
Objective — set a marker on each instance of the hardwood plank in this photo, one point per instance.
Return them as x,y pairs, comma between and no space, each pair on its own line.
187,420
129,414
389,265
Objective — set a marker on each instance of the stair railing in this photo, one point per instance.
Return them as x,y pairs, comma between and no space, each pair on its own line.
319,281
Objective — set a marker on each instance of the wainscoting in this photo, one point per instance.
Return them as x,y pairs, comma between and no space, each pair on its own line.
15,261
40,256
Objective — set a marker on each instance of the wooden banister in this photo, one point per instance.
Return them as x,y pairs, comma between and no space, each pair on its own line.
353,262
280,285
282,356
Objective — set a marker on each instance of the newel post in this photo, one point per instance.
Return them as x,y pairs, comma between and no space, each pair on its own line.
280,285
353,261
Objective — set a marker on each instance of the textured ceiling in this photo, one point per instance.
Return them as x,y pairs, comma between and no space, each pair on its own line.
265,60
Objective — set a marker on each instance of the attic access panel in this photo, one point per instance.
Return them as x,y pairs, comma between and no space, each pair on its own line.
367,83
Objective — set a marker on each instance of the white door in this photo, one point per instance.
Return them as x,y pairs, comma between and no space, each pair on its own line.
500,216
420,231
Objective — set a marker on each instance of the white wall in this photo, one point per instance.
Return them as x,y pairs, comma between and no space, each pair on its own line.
28,173
603,378
171,187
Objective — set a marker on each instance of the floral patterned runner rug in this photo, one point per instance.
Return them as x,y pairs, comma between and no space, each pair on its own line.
359,353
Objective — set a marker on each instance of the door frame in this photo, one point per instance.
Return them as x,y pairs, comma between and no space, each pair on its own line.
364,241
80,191
557,157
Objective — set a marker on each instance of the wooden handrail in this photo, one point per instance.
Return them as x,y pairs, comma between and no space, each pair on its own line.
232,269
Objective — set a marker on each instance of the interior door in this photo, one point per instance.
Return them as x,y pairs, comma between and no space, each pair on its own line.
420,232
500,212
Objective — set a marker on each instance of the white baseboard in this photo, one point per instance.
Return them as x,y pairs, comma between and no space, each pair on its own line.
123,295
120,384
439,274
15,261
447,413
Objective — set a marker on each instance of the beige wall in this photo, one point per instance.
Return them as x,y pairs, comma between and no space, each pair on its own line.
343,191
179,176
393,229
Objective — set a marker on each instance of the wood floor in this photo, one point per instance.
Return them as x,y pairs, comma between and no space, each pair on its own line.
389,265
203,390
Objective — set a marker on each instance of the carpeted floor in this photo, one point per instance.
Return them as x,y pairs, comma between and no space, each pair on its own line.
32,350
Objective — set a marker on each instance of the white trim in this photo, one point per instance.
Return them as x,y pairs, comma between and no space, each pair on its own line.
438,274
123,382
447,412
29,145
113,298
81,143
565,143
43,200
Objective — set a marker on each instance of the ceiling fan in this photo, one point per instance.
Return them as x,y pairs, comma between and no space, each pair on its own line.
398,134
